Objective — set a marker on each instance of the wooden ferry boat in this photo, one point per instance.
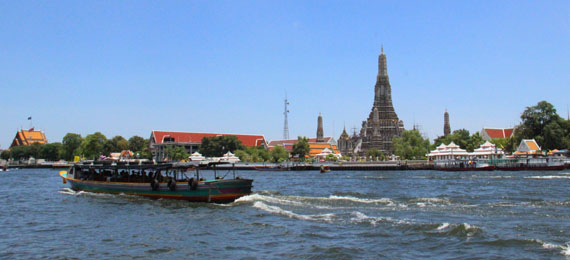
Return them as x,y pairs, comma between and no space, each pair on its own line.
180,181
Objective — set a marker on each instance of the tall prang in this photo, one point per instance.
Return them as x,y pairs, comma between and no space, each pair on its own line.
446,127
320,132
382,124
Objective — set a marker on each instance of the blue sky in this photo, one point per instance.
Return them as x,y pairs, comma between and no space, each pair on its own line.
130,67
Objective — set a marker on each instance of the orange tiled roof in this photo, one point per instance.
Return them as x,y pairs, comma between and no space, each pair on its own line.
532,145
28,137
317,148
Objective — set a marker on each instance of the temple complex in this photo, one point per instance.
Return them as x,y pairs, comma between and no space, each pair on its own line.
382,124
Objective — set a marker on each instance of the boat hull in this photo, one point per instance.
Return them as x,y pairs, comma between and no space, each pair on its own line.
468,169
217,191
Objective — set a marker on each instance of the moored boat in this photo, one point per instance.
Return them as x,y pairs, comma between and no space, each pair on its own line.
531,164
167,180
463,165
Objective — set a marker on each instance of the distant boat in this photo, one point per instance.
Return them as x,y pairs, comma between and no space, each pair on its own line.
531,164
166,180
463,165
325,168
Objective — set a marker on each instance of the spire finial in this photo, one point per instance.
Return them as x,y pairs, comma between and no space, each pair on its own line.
382,48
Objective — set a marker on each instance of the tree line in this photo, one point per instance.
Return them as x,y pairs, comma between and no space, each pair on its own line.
88,147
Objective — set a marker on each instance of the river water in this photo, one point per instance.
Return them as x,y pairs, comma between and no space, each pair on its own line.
338,215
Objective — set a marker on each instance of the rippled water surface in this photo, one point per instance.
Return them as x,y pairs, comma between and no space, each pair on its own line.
343,215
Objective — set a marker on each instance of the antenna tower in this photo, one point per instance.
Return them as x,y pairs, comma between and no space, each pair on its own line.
286,123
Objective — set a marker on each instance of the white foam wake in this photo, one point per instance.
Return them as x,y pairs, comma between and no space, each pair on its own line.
565,250
443,226
548,177
359,217
69,191
386,201
259,197
290,214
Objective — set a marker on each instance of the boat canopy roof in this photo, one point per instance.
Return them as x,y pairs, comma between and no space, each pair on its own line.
143,166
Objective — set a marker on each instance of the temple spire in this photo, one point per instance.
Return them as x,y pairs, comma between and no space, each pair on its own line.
320,132
446,126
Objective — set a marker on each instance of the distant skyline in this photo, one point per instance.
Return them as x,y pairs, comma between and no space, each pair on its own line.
129,67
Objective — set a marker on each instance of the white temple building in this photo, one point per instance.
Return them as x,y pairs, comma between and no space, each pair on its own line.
454,152
447,152
488,151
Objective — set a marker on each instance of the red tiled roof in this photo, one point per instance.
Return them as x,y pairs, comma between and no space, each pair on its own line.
509,132
187,137
499,133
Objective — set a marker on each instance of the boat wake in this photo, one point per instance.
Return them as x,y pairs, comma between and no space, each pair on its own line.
547,177
384,201
359,218
69,191
277,210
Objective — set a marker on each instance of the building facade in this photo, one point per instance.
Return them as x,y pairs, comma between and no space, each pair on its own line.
159,140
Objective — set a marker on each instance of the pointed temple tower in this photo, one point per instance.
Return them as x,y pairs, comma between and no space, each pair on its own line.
383,123
446,127
320,132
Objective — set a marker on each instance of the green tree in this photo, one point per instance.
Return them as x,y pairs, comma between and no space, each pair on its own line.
459,137
146,153
502,143
243,155
70,145
279,154
331,158
301,148
536,118
411,146
474,142
375,154
51,152
176,153
115,145
93,144
21,152
35,150
219,145
258,154
553,136
136,144
5,155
